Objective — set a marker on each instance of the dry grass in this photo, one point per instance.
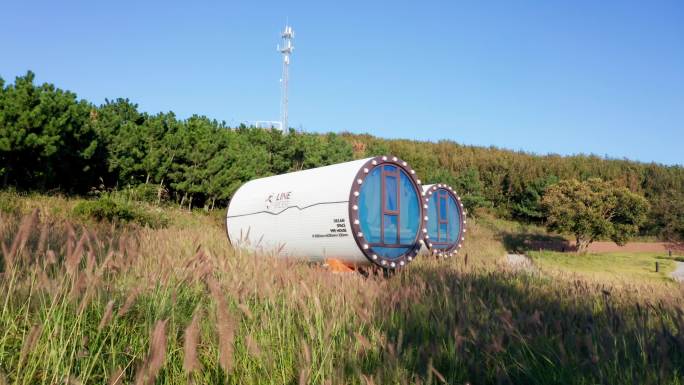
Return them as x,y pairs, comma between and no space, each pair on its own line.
109,304
191,340
148,372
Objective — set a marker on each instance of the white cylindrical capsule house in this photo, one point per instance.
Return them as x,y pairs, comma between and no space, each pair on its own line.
445,220
360,212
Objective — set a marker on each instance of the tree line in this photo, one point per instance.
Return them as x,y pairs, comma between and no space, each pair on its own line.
50,140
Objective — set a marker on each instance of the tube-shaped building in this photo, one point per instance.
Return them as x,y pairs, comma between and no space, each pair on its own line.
363,212
446,220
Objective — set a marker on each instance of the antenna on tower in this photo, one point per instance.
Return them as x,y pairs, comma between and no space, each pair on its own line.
287,35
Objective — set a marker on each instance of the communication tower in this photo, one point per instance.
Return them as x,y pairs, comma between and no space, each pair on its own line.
287,35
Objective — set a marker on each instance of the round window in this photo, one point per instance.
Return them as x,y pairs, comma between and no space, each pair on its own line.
444,224
389,211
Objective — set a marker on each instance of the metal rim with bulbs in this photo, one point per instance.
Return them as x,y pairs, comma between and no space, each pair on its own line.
392,243
446,220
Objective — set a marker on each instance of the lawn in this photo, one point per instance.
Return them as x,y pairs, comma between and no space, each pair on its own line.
620,267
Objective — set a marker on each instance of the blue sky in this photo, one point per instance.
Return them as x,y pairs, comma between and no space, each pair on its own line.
602,77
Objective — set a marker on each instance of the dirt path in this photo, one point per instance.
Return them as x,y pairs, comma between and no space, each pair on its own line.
520,261
678,274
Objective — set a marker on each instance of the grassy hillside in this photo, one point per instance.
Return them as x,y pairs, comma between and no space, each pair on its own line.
51,141
90,302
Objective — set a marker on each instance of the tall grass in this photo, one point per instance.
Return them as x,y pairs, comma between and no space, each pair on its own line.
109,304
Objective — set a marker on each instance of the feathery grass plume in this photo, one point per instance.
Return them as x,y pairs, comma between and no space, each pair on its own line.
225,327
77,286
148,372
280,249
91,263
535,318
21,238
245,310
205,269
42,240
261,238
107,264
85,299
246,235
214,289
73,260
107,316
71,238
88,241
363,341
195,267
252,346
391,350
71,380
190,341
458,340
5,251
305,369
304,375
363,311
30,342
439,375
122,244
44,281
117,377
368,380
132,295
51,258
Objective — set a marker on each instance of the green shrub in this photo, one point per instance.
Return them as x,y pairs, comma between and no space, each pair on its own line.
9,202
108,208
148,193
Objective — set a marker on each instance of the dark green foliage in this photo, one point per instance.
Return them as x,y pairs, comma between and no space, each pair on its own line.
115,209
470,189
47,138
593,210
667,214
527,203
50,140
147,193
